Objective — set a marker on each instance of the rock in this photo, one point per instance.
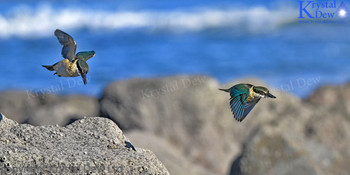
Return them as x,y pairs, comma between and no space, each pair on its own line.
65,110
186,121
317,143
308,136
169,155
269,153
333,98
17,105
89,146
46,109
191,114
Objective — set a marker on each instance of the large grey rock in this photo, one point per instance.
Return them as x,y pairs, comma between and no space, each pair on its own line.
169,155
18,104
317,143
46,109
332,98
270,153
330,125
192,115
88,146
189,113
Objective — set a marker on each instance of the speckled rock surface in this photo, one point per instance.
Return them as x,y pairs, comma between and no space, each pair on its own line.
88,146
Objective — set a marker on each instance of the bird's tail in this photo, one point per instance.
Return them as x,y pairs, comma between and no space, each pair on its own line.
226,90
50,68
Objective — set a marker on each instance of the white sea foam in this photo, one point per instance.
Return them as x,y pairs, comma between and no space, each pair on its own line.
41,21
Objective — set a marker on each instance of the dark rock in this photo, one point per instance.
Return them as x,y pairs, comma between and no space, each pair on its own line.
129,145
92,145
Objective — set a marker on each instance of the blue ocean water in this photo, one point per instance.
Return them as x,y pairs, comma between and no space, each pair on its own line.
223,39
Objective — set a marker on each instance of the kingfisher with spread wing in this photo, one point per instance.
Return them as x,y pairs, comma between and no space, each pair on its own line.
72,65
244,97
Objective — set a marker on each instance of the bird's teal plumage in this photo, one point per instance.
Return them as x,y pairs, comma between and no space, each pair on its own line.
244,97
83,68
73,64
86,55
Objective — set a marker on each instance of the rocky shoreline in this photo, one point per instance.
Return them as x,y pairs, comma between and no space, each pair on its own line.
187,123
93,145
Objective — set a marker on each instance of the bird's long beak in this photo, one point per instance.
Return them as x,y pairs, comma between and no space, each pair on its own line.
270,95
225,90
84,78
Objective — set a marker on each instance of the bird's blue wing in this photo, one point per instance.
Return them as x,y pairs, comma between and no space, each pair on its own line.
249,107
69,45
237,103
237,108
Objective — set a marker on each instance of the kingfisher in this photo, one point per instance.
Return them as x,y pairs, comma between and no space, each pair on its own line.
72,65
244,97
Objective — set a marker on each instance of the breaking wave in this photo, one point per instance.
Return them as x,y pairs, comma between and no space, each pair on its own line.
41,21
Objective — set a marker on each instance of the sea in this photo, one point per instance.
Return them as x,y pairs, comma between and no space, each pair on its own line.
227,40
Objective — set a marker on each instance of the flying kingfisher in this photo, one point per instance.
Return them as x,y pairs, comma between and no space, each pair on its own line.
73,64
244,97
